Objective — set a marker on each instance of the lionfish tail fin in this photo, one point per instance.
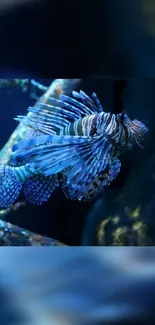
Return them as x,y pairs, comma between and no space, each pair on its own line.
139,131
39,188
10,186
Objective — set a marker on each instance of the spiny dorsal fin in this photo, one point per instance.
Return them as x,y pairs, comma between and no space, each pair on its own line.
56,114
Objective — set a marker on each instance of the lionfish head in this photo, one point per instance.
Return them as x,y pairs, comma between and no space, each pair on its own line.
136,129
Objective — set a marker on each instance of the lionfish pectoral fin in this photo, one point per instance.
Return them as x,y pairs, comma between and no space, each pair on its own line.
90,190
114,170
54,156
34,141
95,188
39,188
95,159
10,186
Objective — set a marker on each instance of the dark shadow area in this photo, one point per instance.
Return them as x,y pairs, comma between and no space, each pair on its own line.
114,41
103,38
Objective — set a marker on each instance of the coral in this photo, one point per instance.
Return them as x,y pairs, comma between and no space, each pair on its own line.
129,230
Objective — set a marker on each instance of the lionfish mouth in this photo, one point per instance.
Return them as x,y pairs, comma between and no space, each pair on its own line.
135,129
138,130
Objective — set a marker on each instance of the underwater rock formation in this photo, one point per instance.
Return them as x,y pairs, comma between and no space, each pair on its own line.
11,235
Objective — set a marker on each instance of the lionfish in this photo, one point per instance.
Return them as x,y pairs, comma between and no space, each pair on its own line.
74,144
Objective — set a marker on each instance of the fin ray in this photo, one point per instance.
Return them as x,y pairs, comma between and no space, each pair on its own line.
95,161
52,158
53,116
96,186
94,104
91,153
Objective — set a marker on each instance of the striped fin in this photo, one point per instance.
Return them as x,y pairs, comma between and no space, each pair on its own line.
48,139
89,155
95,187
97,102
10,186
39,188
30,133
49,159
94,104
54,116
76,106
104,179
95,161
37,141
114,170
